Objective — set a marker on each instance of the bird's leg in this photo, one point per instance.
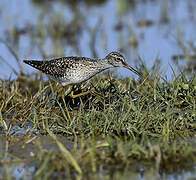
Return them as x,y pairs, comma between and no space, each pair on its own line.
77,95
84,93
66,108
81,94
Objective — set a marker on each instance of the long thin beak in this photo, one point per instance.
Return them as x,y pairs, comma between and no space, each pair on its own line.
133,70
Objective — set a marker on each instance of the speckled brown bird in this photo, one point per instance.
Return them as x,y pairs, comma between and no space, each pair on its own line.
73,70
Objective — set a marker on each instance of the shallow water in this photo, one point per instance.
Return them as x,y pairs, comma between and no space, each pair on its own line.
24,166
149,29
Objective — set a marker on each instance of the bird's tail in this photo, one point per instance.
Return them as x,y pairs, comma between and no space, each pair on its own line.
34,63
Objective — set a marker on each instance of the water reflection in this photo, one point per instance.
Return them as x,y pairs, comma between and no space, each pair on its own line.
58,28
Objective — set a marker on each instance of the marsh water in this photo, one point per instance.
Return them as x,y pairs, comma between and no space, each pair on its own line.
159,33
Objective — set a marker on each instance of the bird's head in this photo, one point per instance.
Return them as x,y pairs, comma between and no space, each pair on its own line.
117,60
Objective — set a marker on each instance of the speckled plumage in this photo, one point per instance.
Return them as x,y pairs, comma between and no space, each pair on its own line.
73,70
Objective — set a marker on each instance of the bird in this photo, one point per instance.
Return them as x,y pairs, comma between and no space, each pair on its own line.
73,69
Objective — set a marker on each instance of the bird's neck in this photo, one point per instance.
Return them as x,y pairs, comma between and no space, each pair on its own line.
103,63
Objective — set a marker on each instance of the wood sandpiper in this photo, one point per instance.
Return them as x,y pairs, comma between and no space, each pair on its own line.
74,70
